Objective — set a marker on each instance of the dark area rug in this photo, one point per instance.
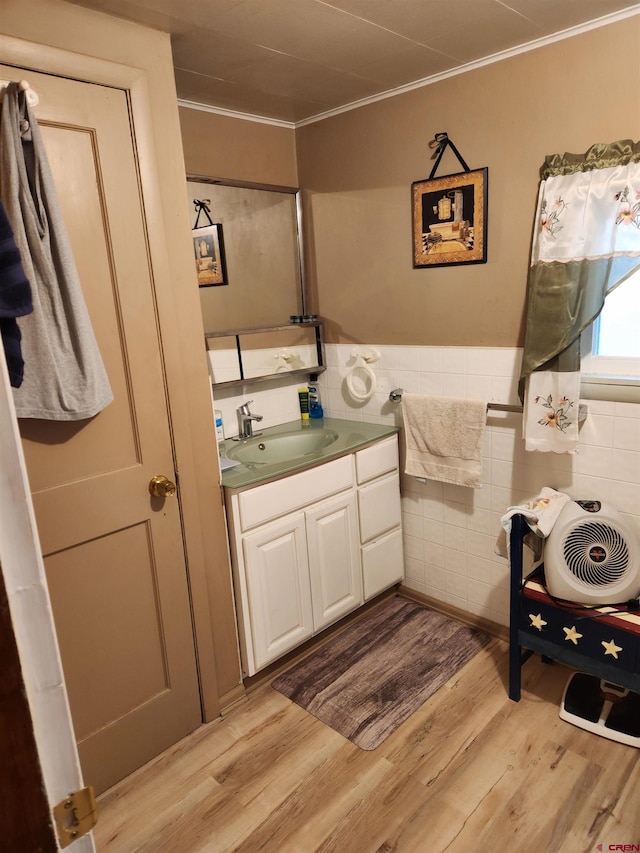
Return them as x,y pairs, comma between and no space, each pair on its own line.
367,680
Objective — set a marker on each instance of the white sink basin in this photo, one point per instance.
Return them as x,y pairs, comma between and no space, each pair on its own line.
281,447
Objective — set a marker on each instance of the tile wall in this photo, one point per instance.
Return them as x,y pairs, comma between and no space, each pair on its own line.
450,532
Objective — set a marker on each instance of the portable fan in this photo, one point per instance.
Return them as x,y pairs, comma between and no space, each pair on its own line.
592,555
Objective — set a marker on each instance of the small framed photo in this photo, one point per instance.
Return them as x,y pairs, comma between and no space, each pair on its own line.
208,246
450,219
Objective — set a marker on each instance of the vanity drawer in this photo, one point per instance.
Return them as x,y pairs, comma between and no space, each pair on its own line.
264,503
379,507
378,459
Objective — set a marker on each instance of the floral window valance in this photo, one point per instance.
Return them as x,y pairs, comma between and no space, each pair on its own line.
586,242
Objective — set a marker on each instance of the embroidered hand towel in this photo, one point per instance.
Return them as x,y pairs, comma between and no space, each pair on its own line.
443,438
550,417
541,514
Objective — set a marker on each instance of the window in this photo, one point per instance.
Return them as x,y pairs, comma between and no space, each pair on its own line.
612,350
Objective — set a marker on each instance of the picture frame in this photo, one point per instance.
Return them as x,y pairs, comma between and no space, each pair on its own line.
450,219
208,247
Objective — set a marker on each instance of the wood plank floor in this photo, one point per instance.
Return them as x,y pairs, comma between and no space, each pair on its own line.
469,772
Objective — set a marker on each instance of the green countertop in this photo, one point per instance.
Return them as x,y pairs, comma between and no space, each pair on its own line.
352,435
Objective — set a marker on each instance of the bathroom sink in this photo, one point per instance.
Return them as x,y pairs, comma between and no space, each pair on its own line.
281,447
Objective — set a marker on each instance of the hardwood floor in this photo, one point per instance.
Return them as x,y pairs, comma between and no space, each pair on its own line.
469,771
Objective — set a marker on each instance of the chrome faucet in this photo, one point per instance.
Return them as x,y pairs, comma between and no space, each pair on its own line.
245,421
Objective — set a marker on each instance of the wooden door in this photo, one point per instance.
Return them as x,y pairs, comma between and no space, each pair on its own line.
113,554
334,559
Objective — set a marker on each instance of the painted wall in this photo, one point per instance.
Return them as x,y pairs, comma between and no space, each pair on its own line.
217,146
357,168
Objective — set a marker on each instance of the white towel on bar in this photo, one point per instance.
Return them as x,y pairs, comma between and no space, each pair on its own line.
443,438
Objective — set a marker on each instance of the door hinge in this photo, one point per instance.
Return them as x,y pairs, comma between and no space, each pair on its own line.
75,815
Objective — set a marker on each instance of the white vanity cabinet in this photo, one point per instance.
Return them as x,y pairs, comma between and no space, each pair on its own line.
299,546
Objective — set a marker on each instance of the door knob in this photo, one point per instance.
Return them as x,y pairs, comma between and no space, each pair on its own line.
161,487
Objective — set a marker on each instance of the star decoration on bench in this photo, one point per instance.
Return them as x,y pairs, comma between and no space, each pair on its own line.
537,621
610,648
572,634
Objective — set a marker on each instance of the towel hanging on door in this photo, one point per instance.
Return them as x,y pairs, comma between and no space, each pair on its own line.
15,300
64,378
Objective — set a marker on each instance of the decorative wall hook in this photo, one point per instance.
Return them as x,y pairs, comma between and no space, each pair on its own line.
440,143
202,206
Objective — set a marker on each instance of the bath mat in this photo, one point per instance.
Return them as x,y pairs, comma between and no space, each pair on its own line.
369,679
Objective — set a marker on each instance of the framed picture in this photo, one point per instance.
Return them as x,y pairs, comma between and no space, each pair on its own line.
450,219
208,246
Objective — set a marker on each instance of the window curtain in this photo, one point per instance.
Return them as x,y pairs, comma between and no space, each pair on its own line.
586,242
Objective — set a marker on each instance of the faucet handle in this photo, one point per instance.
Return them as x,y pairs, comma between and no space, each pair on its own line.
244,408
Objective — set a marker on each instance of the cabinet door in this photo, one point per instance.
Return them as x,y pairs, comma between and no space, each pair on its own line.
277,573
382,563
334,559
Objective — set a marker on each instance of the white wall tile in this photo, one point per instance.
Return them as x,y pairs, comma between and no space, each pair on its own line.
454,360
431,360
479,387
625,497
456,586
626,410
415,570
594,461
625,466
455,561
434,576
506,362
626,434
455,538
480,361
455,385
414,547
431,385
597,430
413,525
433,531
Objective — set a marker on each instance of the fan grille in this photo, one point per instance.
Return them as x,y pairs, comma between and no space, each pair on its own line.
596,554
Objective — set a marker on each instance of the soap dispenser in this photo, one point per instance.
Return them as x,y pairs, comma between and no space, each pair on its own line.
315,409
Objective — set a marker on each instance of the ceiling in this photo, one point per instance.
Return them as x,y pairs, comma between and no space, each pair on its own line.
295,60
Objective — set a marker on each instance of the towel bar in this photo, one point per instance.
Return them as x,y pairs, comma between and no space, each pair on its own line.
395,396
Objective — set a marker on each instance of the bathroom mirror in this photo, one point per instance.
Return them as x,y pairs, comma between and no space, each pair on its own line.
245,318
261,233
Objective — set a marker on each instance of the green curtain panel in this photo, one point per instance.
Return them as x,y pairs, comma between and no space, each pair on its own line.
587,242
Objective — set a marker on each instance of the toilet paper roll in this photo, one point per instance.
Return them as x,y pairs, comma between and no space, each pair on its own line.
362,370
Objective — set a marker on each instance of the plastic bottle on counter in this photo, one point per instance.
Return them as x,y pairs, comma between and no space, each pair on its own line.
315,407
219,426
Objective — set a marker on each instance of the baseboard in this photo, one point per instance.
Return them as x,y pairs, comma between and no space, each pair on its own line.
471,619
232,699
